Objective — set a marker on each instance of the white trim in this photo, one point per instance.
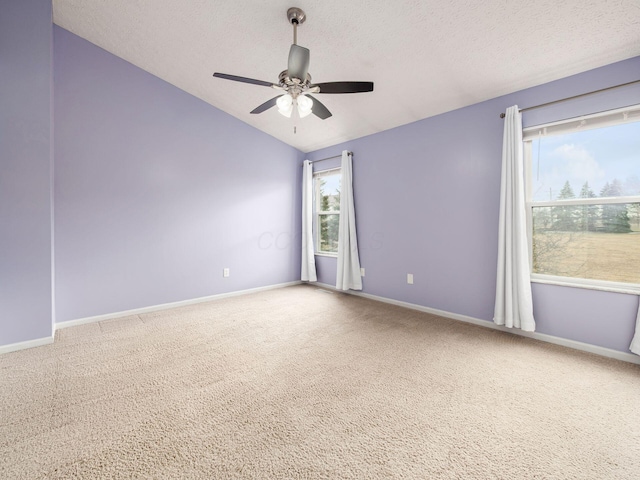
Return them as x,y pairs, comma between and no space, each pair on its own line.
316,205
38,342
326,254
585,201
605,352
165,306
585,347
590,284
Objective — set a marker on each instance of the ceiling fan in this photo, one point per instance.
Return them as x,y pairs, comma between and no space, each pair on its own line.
295,81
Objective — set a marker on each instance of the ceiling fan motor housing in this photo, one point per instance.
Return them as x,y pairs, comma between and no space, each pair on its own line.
298,65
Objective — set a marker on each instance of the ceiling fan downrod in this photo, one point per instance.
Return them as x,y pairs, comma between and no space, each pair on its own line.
296,16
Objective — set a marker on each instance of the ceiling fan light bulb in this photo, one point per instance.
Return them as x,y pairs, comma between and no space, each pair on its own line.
285,105
305,104
284,102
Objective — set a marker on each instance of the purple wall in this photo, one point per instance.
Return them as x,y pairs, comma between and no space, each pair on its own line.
427,197
157,191
25,171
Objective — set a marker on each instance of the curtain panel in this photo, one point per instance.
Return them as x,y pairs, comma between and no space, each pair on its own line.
514,304
348,275
635,343
308,265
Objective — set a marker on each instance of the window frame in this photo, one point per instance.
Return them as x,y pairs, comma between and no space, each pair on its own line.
530,204
317,212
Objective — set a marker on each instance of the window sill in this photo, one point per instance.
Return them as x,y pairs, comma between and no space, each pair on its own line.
324,254
627,288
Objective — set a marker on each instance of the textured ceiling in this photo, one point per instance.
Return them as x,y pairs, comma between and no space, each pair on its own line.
425,56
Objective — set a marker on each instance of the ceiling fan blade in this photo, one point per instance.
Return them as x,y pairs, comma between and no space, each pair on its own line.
318,109
298,62
266,105
235,78
344,87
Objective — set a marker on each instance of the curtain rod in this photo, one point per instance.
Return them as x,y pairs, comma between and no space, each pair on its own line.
502,115
330,158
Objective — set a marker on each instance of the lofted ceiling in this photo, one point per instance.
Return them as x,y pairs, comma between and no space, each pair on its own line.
425,56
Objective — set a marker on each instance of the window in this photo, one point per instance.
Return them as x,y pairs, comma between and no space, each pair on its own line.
327,210
583,200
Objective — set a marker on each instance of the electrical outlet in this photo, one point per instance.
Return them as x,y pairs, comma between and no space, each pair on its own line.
410,278
362,272
225,272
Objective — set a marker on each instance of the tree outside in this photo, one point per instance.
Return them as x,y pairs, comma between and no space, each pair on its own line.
632,187
588,213
565,218
615,218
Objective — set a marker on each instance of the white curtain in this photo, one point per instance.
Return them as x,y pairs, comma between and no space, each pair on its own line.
348,261
635,343
514,305
308,270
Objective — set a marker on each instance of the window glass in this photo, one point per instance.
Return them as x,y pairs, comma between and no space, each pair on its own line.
600,242
599,162
584,200
327,207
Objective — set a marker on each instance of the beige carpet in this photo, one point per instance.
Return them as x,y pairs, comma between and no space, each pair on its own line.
301,383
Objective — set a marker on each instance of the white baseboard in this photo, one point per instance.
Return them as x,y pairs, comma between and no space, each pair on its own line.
164,306
585,347
38,342
605,352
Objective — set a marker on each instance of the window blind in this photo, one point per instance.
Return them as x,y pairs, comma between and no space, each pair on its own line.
586,122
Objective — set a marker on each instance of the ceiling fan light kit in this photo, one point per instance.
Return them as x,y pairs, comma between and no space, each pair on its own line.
295,81
285,105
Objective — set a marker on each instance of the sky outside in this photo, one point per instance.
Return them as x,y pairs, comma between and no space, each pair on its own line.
331,185
597,156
